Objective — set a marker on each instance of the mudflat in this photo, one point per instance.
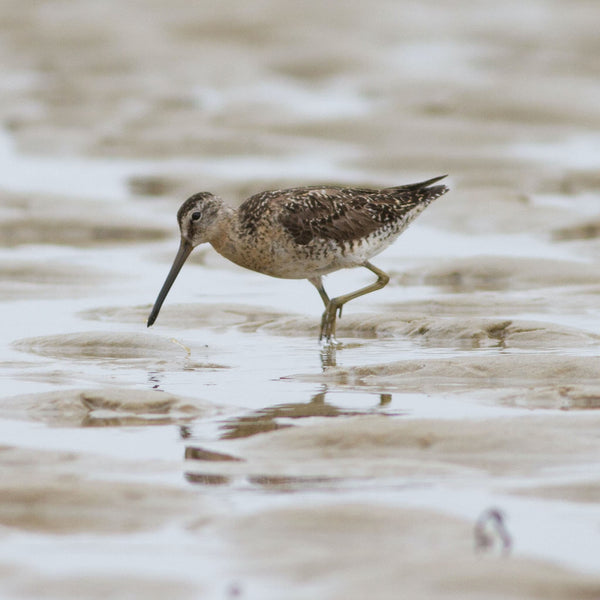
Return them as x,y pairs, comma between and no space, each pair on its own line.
447,448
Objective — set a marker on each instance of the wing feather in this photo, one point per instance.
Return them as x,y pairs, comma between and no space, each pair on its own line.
336,213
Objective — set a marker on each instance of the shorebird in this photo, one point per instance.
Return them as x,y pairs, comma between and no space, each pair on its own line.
302,233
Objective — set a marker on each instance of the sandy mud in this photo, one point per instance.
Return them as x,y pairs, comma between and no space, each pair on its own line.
446,448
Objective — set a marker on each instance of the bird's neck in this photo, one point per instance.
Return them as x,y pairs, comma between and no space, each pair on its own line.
239,246
226,236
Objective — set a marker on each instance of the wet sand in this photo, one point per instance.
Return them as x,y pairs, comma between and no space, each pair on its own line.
225,454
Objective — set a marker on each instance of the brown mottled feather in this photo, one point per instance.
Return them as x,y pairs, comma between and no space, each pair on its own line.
302,233
336,213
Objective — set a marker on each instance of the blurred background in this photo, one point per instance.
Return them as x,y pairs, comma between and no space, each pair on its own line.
131,460
306,91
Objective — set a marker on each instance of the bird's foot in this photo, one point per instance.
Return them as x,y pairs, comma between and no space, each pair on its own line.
328,323
328,355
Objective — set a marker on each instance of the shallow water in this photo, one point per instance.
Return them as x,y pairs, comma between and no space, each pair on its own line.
224,453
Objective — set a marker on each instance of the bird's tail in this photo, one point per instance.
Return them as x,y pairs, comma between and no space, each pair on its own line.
411,187
422,193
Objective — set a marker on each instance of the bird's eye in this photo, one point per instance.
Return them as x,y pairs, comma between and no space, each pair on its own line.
195,216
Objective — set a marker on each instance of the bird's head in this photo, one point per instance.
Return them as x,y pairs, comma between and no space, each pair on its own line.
197,218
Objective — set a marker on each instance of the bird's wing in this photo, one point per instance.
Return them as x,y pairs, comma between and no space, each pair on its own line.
335,213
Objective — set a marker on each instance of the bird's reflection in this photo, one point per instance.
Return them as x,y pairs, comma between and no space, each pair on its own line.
266,419
328,356
206,478
385,399
262,421
491,533
185,432
328,352
154,380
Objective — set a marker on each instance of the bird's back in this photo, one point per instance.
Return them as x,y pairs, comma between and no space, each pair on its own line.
336,213
308,231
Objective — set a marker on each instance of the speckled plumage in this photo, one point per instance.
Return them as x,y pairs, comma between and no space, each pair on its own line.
303,233
336,213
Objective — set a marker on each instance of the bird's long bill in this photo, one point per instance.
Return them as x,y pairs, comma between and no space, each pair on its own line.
184,251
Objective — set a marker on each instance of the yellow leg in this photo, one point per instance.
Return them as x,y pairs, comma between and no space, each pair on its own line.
318,283
333,307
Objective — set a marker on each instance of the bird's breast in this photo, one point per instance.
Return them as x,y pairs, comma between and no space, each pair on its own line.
278,255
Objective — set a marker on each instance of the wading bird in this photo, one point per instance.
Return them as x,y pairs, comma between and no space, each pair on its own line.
302,233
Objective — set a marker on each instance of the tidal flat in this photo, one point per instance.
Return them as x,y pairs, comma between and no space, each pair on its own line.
224,453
